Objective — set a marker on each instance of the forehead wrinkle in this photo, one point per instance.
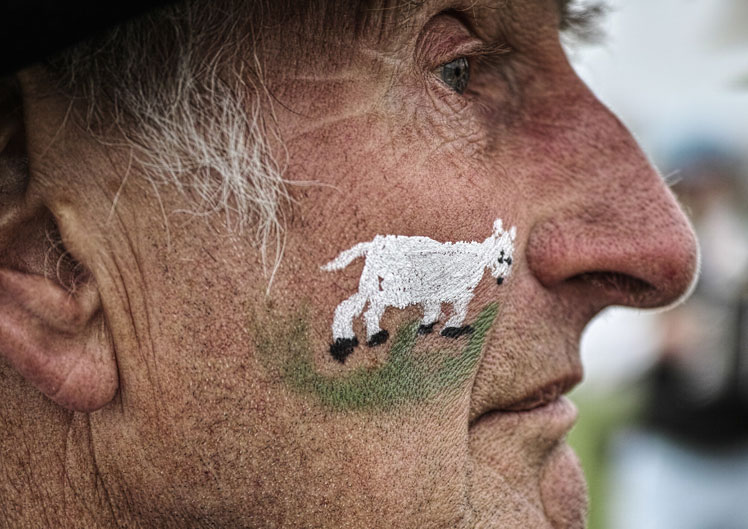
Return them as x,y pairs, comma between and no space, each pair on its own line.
382,19
348,114
347,26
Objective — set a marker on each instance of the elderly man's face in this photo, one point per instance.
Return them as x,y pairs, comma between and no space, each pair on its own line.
230,407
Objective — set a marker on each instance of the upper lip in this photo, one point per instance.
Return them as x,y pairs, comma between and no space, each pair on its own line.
538,395
545,394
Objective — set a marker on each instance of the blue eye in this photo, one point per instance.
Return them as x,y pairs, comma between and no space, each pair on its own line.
456,74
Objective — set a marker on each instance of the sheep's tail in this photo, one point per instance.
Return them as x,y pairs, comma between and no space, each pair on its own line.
345,257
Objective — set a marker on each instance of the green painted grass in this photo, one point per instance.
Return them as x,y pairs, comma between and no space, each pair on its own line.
404,378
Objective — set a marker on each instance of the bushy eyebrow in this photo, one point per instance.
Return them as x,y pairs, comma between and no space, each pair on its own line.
385,20
582,20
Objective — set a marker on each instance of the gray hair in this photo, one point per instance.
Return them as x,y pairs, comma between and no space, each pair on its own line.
183,87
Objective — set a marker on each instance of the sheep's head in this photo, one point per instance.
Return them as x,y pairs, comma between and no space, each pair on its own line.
502,254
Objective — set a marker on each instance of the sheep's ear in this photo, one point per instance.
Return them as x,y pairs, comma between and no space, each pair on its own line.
497,226
513,232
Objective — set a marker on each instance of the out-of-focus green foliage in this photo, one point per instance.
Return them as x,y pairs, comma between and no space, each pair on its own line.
600,416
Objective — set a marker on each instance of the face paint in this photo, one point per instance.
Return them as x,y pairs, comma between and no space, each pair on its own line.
406,376
400,271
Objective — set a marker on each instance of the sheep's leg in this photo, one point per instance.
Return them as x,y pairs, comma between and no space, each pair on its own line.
344,339
454,328
432,311
374,334
346,311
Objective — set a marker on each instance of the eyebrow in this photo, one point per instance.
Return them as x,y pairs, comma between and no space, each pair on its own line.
383,18
582,20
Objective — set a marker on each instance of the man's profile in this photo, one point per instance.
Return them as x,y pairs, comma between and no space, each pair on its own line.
170,186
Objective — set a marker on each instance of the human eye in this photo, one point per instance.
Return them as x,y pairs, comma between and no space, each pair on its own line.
455,74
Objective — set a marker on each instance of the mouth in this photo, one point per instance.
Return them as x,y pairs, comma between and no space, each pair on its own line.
543,407
519,443
544,395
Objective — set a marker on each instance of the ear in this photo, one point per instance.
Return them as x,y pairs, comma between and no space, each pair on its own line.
497,226
52,327
513,232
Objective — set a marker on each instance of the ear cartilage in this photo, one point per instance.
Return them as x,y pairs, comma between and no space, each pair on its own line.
400,271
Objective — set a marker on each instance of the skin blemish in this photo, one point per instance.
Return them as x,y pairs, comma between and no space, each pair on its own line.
403,379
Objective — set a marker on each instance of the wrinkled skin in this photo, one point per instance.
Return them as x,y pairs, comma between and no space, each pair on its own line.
164,406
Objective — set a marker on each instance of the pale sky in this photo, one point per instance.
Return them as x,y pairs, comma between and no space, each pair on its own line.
674,68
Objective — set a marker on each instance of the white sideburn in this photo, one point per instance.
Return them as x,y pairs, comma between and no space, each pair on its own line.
400,271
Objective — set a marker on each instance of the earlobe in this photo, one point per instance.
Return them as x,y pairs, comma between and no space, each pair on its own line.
57,340
52,326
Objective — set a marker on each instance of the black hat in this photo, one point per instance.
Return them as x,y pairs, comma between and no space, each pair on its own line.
31,30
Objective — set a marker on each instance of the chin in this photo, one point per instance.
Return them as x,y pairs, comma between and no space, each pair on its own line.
525,475
553,498
563,490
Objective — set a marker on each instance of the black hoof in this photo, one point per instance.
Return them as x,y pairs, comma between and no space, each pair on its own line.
378,339
342,348
426,329
456,332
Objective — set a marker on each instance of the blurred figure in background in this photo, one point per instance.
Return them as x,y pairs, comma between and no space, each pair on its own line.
686,466
701,397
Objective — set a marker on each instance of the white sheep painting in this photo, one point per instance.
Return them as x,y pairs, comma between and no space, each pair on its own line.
400,271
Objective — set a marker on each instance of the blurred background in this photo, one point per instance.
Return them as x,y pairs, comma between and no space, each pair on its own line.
663,428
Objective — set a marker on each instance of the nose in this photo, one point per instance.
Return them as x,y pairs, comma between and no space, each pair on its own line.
610,228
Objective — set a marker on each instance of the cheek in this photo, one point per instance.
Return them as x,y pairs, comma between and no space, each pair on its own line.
385,186
394,182
427,176
379,462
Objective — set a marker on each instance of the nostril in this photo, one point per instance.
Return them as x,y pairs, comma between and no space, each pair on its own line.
619,288
648,260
